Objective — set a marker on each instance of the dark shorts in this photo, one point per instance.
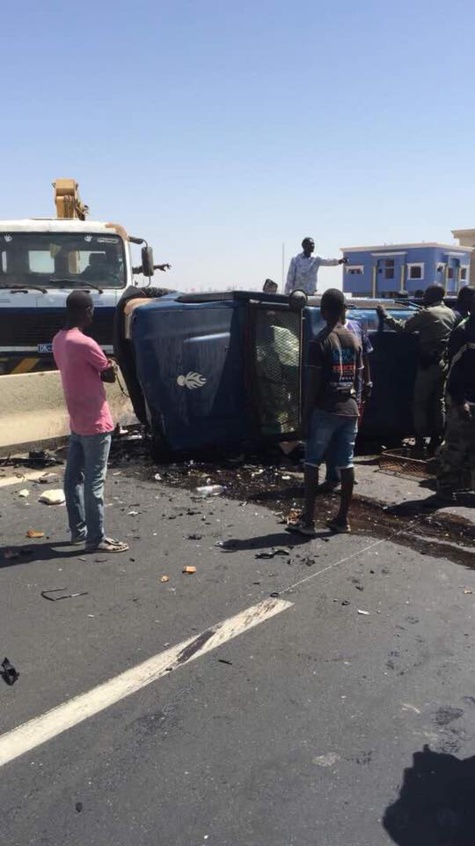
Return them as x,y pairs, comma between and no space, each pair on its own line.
326,428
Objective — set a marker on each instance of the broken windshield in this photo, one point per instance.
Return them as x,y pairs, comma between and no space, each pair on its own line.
61,259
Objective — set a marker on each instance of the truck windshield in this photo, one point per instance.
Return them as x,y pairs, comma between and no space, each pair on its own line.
60,259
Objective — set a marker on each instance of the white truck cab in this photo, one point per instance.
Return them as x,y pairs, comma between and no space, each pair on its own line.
41,262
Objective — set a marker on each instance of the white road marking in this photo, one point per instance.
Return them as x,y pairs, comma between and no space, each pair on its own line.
41,729
29,476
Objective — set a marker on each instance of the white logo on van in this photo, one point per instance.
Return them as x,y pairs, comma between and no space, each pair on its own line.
191,381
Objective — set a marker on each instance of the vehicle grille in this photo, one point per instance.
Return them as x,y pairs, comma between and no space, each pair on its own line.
28,329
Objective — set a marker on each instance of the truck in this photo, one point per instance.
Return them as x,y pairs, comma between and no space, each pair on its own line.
43,260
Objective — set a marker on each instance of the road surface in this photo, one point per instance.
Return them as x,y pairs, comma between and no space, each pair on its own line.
249,704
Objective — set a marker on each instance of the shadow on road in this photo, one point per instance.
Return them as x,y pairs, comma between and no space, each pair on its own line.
28,552
409,508
436,805
276,539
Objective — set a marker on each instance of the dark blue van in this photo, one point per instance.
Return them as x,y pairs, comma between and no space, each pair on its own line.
227,370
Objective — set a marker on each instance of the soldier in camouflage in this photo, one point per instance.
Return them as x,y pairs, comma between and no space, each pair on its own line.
457,454
434,323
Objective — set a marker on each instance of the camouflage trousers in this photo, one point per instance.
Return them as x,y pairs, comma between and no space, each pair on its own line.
456,457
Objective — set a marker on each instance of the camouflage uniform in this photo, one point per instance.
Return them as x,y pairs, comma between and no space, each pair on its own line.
434,324
455,465
456,458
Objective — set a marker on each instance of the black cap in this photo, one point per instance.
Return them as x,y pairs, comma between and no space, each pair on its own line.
78,301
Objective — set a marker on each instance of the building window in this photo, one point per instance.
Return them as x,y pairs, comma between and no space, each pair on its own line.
389,269
355,269
464,273
415,271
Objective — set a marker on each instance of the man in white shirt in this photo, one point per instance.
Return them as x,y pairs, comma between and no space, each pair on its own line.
303,269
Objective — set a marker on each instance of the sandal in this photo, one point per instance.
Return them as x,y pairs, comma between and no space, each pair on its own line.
339,528
303,528
109,545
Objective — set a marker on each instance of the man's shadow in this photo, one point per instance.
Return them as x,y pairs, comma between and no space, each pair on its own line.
11,556
436,804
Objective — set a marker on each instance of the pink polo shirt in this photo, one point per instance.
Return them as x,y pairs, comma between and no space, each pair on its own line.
80,361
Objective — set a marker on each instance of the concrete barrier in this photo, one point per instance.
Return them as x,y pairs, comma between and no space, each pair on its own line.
32,408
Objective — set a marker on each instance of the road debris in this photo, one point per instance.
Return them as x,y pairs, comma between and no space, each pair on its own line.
364,613
46,594
158,477
278,550
34,533
8,672
53,497
225,661
467,591
49,478
189,571
194,537
24,493
210,490
132,513
164,578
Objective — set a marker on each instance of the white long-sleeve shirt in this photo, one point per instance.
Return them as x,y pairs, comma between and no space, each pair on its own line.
303,273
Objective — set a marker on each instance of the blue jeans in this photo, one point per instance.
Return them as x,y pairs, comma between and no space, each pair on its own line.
84,479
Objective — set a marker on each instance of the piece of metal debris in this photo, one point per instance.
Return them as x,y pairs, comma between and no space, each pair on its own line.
46,594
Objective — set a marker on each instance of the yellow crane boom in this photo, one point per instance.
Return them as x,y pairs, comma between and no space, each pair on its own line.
67,200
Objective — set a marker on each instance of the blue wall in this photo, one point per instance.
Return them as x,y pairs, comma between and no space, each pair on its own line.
388,268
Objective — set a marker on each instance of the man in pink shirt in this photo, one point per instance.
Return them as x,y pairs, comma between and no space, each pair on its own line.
84,368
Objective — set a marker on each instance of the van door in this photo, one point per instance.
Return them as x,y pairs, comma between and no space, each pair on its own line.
275,368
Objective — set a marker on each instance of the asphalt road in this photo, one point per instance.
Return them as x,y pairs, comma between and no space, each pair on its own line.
299,731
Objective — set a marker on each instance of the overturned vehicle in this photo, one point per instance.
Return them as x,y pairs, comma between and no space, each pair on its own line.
227,370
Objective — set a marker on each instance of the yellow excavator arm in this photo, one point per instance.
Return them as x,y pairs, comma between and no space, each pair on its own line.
67,200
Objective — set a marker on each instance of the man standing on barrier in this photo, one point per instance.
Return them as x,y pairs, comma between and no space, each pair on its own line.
434,322
330,415
84,368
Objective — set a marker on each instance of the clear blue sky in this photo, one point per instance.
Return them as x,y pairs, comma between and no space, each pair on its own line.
219,129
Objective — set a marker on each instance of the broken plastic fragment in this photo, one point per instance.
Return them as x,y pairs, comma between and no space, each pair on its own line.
54,497
24,493
210,490
364,613
165,578
8,672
